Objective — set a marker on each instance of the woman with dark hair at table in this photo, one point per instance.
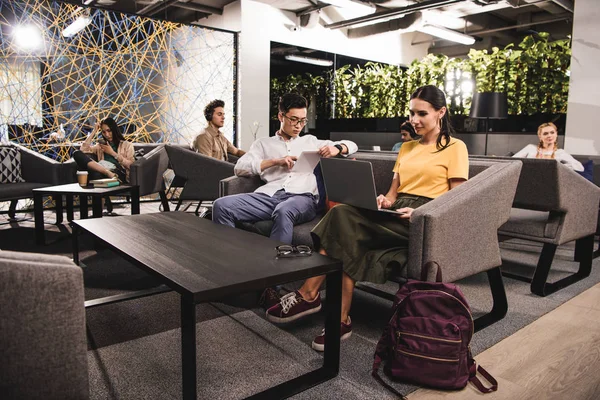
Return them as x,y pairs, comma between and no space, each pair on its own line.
114,154
372,244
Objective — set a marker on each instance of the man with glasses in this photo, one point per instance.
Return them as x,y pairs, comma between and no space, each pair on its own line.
288,197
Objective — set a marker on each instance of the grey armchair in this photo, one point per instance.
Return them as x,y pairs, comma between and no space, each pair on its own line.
596,175
147,172
37,171
200,175
458,231
43,349
553,205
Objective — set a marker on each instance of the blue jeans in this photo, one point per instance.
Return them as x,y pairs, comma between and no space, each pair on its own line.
285,209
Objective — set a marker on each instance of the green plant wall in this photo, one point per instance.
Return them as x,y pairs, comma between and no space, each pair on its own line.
534,74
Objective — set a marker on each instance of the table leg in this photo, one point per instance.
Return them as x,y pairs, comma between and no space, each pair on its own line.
331,358
59,208
38,215
135,200
70,207
83,206
188,348
96,207
75,235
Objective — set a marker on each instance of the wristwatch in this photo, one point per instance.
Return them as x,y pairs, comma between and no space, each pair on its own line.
339,147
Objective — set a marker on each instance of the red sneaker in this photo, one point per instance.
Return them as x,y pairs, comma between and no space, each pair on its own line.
345,332
293,306
269,298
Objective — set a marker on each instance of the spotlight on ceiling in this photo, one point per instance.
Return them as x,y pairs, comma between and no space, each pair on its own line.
447,34
78,25
352,5
27,37
309,60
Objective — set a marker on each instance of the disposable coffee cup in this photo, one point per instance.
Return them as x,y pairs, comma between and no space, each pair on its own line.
82,178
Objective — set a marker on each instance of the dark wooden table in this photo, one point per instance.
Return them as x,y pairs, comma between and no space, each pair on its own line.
73,189
204,261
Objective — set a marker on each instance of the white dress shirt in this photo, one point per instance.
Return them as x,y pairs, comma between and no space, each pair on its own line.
279,177
530,151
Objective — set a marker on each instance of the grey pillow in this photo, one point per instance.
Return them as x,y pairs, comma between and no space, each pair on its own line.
139,153
10,165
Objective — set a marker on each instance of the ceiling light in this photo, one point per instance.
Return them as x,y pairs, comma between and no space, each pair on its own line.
447,34
27,37
78,25
309,60
445,19
376,21
351,5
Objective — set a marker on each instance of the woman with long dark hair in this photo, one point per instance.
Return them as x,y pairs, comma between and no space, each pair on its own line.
371,244
114,154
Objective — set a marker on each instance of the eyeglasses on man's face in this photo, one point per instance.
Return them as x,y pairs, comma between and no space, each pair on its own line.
286,250
296,121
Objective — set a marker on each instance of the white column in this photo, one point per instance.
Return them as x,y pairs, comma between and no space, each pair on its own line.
583,113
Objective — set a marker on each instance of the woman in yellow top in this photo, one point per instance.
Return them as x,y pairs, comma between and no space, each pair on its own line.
369,243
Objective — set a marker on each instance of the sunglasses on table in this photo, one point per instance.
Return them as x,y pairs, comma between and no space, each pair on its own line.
286,250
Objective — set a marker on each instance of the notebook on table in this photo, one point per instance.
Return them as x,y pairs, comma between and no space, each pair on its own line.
106,182
351,182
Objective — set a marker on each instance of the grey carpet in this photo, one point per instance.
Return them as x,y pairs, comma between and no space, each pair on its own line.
134,346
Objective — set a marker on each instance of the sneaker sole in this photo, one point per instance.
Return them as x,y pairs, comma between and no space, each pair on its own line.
321,347
284,320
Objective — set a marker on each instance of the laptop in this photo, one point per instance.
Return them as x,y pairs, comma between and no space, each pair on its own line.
351,182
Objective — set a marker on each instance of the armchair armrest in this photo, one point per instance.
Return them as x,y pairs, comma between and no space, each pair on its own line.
579,198
458,230
69,171
42,325
147,171
239,184
201,173
232,159
38,168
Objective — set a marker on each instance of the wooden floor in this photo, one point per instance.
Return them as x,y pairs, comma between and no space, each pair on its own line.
556,357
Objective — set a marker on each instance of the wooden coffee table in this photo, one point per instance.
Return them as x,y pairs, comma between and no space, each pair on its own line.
203,262
73,189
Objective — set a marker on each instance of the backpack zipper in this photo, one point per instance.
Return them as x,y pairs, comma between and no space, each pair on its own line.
429,358
399,333
447,294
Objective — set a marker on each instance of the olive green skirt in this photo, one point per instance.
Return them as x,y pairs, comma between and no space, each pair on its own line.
370,244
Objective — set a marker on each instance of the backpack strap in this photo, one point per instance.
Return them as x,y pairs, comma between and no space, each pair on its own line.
375,374
428,268
381,353
473,369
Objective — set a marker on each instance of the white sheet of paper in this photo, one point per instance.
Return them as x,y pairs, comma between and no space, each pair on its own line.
307,161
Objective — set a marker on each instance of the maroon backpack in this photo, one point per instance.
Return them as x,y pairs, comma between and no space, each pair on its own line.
426,342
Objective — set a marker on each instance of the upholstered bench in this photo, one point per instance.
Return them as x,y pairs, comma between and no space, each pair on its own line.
458,230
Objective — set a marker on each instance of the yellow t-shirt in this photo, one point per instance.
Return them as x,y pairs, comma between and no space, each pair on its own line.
425,172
